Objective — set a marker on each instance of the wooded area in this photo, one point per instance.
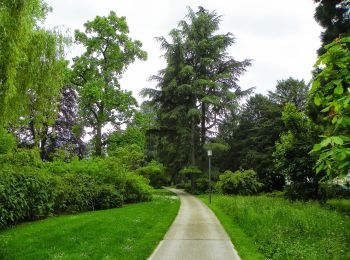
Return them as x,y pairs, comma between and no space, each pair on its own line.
293,141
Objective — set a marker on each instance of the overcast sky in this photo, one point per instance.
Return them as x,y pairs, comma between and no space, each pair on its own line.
280,36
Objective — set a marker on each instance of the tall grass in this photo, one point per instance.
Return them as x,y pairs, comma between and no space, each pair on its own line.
286,230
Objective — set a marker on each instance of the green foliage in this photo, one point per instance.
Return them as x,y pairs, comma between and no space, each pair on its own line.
333,16
132,135
251,133
96,73
7,142
291,157
17,20
110,170
32,67
21,157
155,172
190,170
285,230
24,195
128,145
330,90
130,155
197,87
290,91
28,192
239,182
216,147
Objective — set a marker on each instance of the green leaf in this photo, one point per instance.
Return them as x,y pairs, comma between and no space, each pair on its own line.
339,90
337,140
340,156
316,148
319,168
325,142
317,100
334,120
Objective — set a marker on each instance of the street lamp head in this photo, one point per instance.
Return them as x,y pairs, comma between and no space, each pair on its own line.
210,153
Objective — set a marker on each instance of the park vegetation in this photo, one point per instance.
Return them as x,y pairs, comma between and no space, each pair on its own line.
72,140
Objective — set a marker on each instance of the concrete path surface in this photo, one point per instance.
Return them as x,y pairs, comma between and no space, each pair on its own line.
195,234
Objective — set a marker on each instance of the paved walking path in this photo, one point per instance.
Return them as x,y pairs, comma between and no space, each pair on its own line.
195,234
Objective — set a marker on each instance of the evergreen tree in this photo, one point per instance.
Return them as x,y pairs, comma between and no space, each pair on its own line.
334,17
196,89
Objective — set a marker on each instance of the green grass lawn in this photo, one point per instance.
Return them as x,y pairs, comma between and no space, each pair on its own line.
273,228
131,232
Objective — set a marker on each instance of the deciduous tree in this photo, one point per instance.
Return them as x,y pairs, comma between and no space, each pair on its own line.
108,52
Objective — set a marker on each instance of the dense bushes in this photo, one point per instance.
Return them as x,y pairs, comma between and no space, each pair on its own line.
28,193
239,182
24,194
155,172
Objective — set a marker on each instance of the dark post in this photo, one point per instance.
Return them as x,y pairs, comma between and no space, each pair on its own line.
209,155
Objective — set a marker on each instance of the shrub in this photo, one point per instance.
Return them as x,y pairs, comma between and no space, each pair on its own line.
75,193
28,193
106,197
201,186
155,172
131,187
239,182
22,157
136,189
300,191
24,195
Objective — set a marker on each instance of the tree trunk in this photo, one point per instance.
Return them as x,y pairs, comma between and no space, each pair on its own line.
203,130
98,141
43,142
193,153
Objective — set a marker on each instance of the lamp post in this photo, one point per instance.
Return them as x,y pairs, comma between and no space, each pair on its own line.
210,153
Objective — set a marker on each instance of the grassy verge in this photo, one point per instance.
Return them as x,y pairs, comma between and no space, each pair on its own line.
244,244
283,230
341,205
131,232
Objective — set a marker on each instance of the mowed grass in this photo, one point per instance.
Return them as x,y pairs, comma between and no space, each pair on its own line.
131,232
280,229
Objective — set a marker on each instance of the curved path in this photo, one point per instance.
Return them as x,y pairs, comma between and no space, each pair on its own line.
195,234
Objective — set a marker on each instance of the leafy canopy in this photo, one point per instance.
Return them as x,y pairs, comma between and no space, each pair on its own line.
331,93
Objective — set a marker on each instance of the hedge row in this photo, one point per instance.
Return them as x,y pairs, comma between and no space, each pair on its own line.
28,193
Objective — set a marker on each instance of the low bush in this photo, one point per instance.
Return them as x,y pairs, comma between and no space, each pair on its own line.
155,172
24,195
28,192
239,182
300,191
107,197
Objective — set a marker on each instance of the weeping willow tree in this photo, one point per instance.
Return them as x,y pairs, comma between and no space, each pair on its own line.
32,68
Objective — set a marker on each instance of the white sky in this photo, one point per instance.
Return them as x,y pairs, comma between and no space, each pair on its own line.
280,36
